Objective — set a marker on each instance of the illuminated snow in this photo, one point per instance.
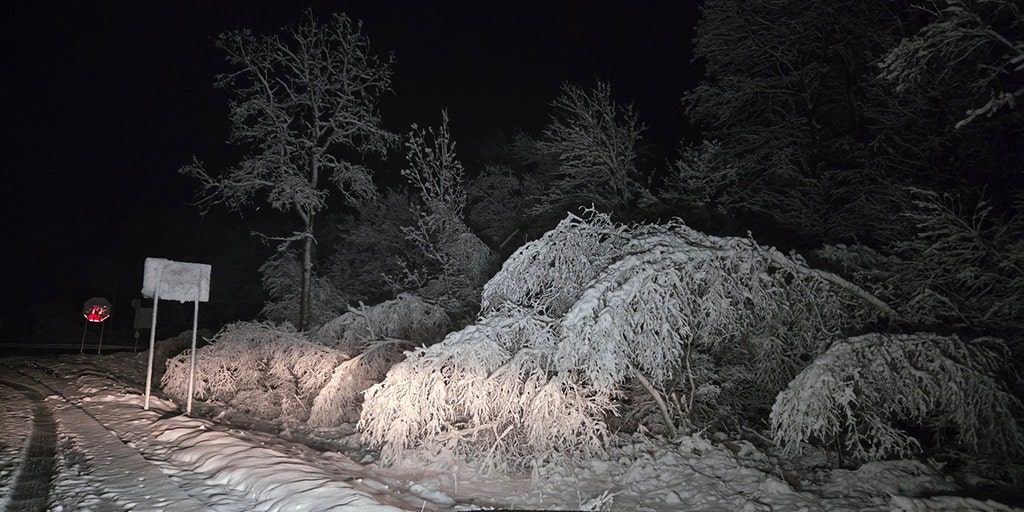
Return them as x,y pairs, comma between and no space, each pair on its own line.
222,467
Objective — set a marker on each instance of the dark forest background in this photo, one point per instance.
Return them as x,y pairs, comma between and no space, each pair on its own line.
880,140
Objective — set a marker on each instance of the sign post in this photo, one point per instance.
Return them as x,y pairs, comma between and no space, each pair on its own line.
182,282
143,319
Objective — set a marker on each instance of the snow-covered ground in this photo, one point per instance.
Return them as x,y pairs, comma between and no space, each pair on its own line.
111,454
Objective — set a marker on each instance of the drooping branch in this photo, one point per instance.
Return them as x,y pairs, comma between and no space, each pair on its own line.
875,302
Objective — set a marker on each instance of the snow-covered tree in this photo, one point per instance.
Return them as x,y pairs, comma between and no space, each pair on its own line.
855,398
434,170
595,143
817,116
459,262
497,203
968,265
368,246
305,104
944,100
963,269
576,317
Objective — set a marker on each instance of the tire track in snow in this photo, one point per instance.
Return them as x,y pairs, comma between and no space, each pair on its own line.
128,480
31,490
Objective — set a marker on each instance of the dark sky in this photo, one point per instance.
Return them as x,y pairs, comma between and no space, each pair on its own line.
106,100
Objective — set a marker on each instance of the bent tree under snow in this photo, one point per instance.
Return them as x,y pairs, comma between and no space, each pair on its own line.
596,320
849,397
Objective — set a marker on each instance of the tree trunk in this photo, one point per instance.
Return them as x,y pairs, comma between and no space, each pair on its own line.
307,277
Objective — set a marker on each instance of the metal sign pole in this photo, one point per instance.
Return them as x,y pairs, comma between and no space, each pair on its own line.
81,349
195,325
182,282
152,338
99,349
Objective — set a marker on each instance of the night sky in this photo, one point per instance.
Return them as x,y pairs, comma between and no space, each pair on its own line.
106,100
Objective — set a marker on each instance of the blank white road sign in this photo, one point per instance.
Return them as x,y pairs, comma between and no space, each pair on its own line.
183,282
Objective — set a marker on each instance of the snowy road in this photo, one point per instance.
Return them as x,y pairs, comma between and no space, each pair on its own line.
119,474
32,487
102,452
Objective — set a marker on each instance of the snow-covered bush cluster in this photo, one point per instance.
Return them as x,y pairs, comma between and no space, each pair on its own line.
577,317
268,370
851,397
405,317
166,349
377,336
471,394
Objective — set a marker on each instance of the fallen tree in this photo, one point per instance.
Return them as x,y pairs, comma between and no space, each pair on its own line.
575,320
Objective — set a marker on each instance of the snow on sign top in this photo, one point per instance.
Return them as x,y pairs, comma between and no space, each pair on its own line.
183,282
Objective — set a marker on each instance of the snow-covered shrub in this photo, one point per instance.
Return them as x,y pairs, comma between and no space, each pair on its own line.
341,400
405,317
575,316
552,272
473,395
852,396
269,370
164,350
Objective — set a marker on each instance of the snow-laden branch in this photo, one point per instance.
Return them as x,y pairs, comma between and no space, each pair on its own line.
984,34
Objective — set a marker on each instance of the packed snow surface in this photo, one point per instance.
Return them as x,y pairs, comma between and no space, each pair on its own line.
113,455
